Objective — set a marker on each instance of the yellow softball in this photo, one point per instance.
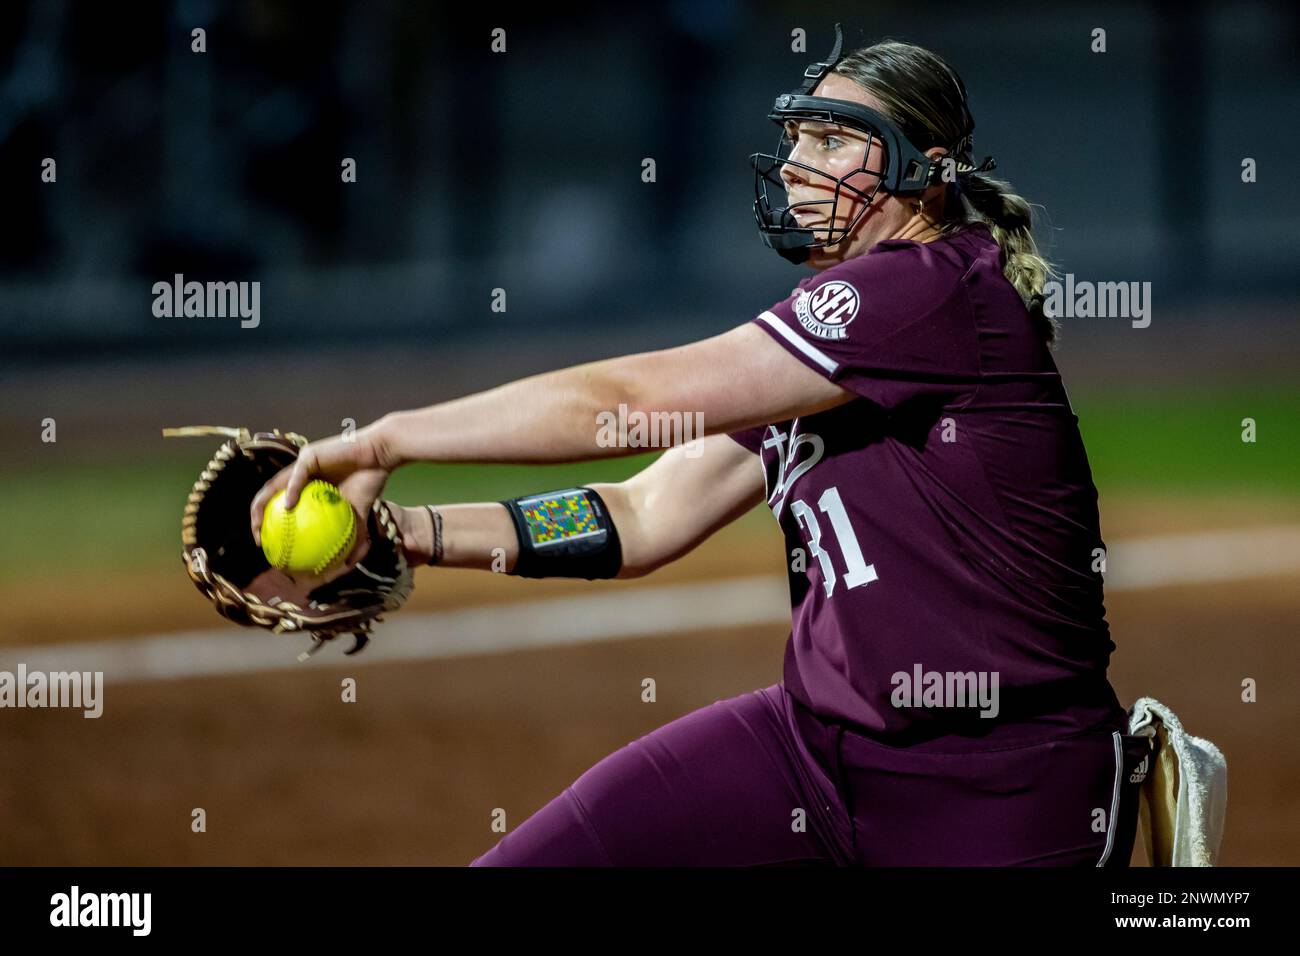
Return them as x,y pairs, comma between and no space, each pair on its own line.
315,536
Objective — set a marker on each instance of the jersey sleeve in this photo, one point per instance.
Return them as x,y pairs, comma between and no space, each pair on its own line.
891,325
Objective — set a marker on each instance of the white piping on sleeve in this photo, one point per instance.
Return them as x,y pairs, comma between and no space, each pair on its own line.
817,355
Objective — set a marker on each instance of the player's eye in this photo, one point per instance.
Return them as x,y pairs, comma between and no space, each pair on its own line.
832,142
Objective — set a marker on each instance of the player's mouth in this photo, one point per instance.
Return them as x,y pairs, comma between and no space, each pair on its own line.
805,214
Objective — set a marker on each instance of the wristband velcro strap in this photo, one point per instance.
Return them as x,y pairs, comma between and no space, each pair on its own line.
565,534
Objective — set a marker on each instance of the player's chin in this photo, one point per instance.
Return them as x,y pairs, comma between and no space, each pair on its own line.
826,256
845,246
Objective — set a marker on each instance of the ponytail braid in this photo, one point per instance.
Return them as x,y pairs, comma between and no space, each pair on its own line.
1010,219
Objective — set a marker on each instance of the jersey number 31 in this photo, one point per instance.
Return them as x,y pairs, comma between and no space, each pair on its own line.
859,572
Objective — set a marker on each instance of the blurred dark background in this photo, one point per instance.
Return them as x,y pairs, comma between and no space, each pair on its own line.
522,170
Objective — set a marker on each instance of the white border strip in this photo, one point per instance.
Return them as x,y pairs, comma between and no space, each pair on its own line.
1114,799
622,613
1203,557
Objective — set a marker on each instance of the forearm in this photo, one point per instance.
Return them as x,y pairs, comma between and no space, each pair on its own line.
683,497
481,535
660,514
542,419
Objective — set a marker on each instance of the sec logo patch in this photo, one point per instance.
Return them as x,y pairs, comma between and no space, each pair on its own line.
827,310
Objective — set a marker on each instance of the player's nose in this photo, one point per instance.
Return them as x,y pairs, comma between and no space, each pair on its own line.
792,176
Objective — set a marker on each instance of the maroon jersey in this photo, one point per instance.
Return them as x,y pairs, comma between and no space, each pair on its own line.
945,522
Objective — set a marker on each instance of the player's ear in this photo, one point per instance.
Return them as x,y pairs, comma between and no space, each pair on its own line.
936,153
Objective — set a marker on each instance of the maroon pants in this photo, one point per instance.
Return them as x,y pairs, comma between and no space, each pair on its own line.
758,780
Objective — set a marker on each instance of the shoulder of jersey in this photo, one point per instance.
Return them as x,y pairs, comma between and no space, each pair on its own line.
827,302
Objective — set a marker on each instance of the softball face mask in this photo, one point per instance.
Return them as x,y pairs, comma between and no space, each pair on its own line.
907,170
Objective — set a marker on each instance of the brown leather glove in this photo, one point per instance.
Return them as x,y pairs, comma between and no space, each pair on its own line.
230,570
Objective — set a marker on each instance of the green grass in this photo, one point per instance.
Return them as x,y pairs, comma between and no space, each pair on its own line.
125,512
1191,444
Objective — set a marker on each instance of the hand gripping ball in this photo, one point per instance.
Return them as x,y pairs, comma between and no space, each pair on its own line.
313,538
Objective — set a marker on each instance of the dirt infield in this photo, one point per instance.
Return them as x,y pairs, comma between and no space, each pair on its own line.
288,774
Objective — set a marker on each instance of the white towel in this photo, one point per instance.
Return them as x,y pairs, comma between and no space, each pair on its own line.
1201,797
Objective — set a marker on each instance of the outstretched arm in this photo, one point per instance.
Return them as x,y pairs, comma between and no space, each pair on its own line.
731,381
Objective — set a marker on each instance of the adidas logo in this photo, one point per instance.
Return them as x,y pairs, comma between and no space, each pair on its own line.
1140,771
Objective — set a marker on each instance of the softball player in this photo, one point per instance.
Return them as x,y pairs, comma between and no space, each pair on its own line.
944,699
